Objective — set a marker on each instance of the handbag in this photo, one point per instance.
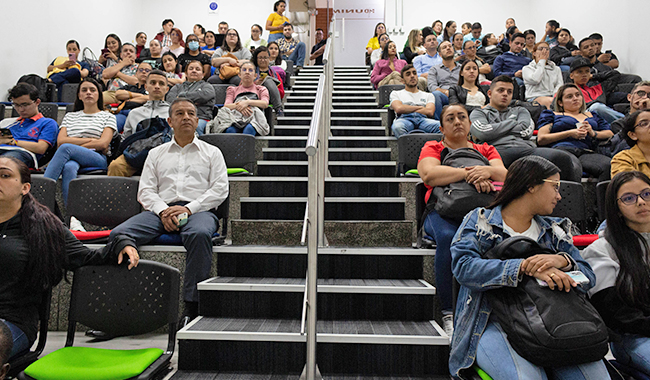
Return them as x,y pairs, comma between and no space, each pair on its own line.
455,200
549,328
226,71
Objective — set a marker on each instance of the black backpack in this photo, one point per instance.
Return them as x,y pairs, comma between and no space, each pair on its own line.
44,93
549,328
149,134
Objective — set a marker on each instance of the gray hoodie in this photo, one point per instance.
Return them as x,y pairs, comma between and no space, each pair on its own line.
149,110
507,129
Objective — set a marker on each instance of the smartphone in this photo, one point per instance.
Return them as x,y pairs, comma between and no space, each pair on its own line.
576,275
608,52
72,57
182,219
105,51
6,132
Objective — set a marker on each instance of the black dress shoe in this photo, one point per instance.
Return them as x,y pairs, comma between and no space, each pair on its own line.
99,335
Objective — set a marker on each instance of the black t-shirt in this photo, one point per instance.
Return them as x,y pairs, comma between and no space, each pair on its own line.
135,88
319,59
186,58
156,63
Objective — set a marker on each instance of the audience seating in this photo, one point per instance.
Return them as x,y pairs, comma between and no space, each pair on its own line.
601,190
102,201
409,147
572,206
119,302
238,150
384,101
2,111
288,73
69,107
21,362
44,190
50,110
69,92
424,242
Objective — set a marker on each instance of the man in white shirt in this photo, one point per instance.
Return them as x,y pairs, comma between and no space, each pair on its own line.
414,108
183,176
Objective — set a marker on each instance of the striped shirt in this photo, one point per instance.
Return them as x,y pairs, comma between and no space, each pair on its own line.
80,124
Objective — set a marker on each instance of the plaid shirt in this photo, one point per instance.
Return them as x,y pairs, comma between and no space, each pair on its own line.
287,45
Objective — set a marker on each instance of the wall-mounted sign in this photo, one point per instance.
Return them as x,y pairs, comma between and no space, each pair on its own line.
359,9
213,7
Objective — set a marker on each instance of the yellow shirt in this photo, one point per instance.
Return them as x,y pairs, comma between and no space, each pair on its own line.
373,43
59,61
629,160
276,20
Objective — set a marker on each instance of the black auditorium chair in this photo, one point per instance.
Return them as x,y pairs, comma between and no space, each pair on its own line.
50,110
69,92
572,206
384,100
21,362
601,190
423,241
238,150
409,147
120,302
102,201
288,74
2,111
44,190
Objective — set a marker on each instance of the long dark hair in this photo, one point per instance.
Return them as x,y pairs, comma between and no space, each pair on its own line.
376,26
45,238
256,53
461,80
523,174
215,43
225,46
560,94
278,59
384,53
119,43
445,35
633,280
79,104
629,124
177,70
555,26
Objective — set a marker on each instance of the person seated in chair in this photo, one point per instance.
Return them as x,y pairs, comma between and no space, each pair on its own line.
589,50
198,91
67,69
639,99
184,178
609,59
596,89
424,62
414,108
120,74
512,62
132,96
156,106
441,77
290,48
31,134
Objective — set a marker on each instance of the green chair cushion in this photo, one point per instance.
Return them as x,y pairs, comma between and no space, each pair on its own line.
412,172
481,373
86,363
232,171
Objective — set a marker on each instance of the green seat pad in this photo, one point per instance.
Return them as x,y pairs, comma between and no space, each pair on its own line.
236,171
481,373
412,172
86,363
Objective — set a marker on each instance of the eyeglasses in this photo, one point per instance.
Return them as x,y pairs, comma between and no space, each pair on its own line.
631,198
643,124
556,184
642,94
21,105
543,48
146,71
231,34
247,70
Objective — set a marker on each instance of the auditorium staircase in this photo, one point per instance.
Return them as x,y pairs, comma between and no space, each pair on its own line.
375,310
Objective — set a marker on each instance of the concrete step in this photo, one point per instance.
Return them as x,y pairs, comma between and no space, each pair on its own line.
334,187
336,168
335,154
345,130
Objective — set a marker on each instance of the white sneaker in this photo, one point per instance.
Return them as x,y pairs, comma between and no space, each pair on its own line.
75,225
448,324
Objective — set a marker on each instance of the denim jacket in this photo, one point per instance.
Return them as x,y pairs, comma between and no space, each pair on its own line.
481,230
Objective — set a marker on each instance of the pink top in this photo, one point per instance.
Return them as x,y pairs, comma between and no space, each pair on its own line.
382,69
233,91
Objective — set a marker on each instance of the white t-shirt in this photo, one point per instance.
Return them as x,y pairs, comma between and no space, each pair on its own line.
80,124
532,232
419,98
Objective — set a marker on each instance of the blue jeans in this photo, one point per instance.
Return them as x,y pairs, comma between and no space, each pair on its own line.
69,76
67,161
633,351
120,118
201,128
442,230
248,130
441,101
197,240
21,343
298,55
609,114
274,37
409,121
498,359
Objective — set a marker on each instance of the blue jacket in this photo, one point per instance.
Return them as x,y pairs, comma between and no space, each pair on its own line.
481,230
509,63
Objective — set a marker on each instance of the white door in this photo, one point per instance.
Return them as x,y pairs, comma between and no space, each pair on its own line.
351,39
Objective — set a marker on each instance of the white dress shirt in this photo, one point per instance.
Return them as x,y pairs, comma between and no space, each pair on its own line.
195,173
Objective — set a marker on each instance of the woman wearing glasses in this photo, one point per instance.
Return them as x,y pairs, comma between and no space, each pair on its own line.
530,193
620,262
193,53
636,130
575,130
231,53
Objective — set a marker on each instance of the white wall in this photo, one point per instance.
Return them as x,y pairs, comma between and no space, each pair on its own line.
581,17
32,45
38,30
